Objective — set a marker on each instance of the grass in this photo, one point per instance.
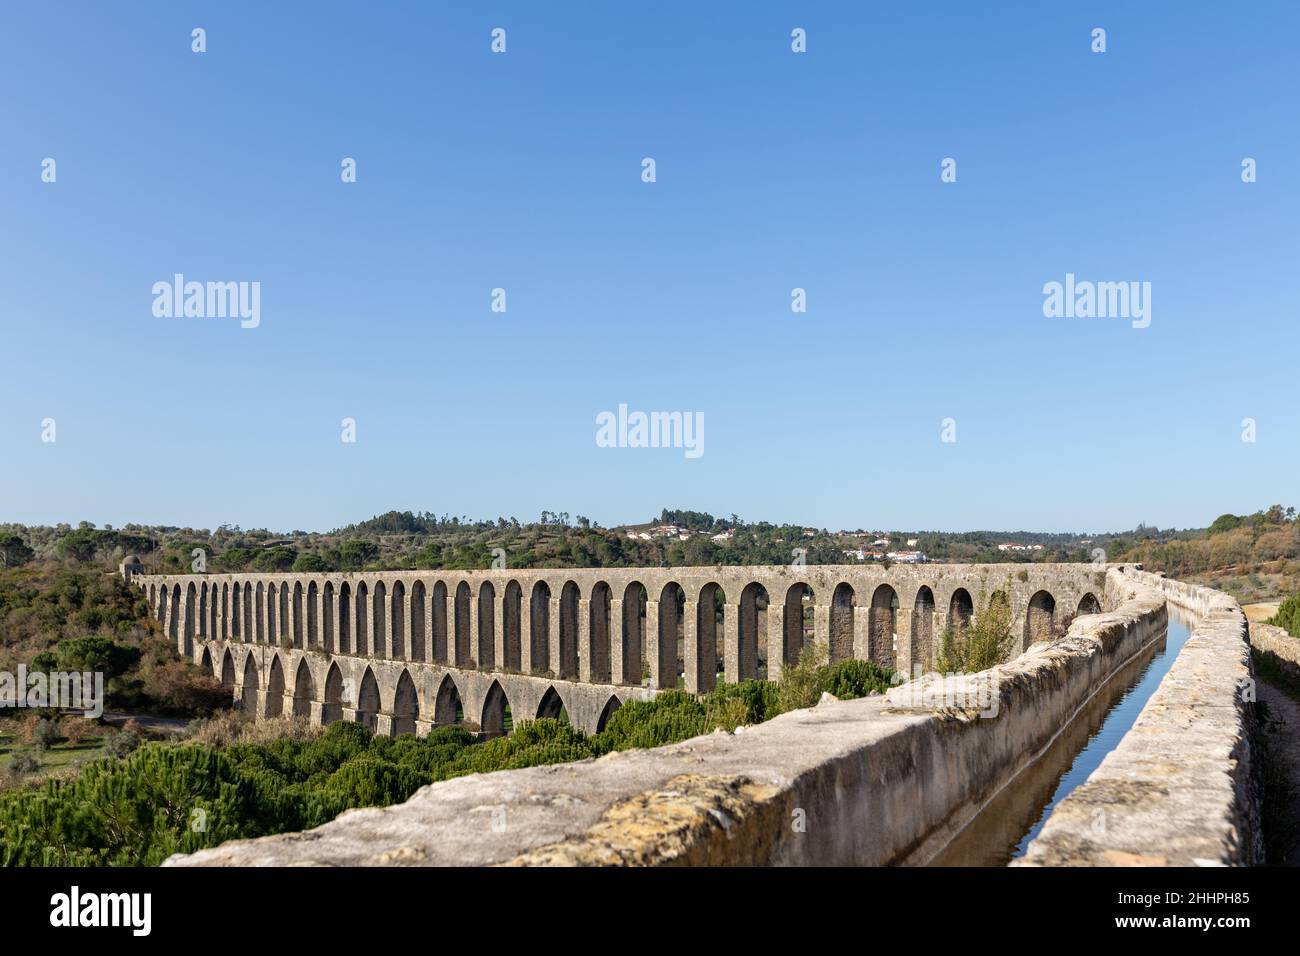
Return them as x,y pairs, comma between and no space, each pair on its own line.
60,756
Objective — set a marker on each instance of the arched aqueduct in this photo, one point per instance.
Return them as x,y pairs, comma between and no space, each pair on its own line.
403,651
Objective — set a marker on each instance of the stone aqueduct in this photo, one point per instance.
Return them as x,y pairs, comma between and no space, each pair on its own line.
405,651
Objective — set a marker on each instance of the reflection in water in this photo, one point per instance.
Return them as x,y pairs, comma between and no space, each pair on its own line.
1004,828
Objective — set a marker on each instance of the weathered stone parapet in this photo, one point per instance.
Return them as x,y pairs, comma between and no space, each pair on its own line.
884,779
1180,788
1277,649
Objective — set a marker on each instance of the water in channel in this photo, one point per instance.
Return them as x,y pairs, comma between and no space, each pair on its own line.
1003,829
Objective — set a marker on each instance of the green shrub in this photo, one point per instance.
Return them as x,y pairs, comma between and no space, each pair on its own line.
121,744
1288,616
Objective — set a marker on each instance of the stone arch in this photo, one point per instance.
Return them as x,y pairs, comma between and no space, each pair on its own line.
486,637
792,625
360,635
419,611
272,629
206,663
275,688
295,619
1039,617
843,604
463,656
236,611
202,617
672,603
439,636
228,671
702,673
406,705
397,649
259,612
496,719
187,628
368,700
225,611
922,639
304,690
1088,604
883,626
284,613
379,646
332,708
248,695
552,706
961,610
173,613
345,618
511,609
635,599
750,627
611,706
447,708
568,662
327,618
539,641
598,633
313,617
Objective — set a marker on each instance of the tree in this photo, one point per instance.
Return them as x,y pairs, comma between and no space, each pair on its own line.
14,551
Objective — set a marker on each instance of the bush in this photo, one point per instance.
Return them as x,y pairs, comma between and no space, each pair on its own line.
1288,616
23,762
984,643
45,734
121,744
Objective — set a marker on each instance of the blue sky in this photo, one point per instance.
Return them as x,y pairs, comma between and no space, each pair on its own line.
775,170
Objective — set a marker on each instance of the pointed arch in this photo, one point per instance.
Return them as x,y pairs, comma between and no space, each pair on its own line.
248,695
275,689
406,705
304,690
552,706
496,719
228,672
1088,604
611,706
447,708
206,663
332,709
368,700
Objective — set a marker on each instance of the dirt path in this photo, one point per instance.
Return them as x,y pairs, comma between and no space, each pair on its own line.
1280,734
155,725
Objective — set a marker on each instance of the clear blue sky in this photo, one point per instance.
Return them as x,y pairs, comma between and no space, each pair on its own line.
523,171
